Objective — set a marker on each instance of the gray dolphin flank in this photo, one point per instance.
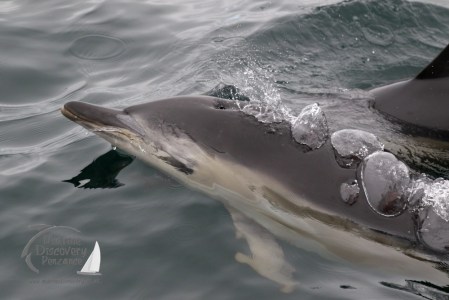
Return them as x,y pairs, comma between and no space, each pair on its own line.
422,101
261,172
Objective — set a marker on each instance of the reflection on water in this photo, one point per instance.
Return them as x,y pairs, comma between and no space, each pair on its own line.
102,172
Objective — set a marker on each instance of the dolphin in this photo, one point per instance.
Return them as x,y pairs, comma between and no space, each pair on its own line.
260,171
421,102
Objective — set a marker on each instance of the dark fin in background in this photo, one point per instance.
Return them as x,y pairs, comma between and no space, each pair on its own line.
226,91
419,105
102,172
438,68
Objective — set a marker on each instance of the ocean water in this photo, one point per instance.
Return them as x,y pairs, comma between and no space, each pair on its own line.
158,239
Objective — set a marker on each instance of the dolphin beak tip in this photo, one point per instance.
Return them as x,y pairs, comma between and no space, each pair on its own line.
88,115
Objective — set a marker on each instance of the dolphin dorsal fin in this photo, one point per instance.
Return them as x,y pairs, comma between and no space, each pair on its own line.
420,104
438,68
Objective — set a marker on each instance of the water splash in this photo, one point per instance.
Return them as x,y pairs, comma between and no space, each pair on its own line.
265,113
258,83
266,103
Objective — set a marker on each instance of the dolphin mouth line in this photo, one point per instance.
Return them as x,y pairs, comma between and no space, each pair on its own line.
77,118
97,127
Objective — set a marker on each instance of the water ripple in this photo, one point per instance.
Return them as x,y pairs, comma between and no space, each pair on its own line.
48,145
17,112
97,47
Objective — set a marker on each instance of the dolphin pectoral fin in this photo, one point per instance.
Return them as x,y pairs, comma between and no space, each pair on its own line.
287,286
267,257
238,234
244,259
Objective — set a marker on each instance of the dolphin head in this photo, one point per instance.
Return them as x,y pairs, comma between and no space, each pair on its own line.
115,126
175,135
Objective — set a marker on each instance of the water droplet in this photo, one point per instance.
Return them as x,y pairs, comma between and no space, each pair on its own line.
349,192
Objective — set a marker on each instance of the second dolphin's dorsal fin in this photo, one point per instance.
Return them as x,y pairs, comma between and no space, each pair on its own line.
438,68
422,102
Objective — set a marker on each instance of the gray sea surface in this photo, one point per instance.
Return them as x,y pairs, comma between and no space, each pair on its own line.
64,188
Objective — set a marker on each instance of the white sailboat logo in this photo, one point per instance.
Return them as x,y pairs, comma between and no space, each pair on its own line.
92,265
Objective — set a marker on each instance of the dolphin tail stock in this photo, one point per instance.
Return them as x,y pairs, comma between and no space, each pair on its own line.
422,103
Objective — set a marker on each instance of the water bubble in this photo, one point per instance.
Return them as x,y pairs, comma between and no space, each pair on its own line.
385,181
432,193
351,146
349,192
265,113
310,128
417,190
434,231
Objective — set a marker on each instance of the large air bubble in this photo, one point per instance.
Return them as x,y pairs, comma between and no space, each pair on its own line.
385,181
434,230
310,128
351,146
432,193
